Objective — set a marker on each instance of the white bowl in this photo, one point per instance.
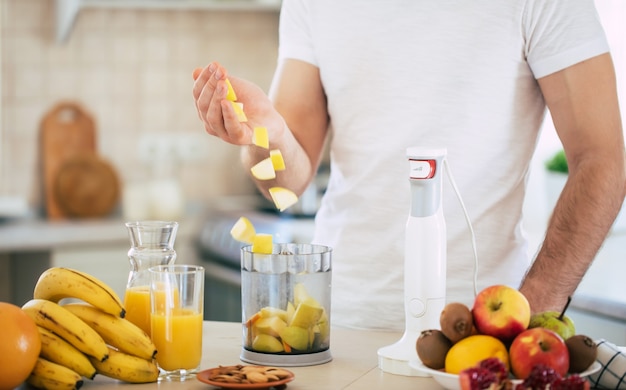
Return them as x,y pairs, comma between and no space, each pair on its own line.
451,381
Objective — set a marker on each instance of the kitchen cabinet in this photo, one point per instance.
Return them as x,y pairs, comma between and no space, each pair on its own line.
68,10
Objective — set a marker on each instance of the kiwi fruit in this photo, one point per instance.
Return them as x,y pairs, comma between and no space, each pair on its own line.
456,321
583,351
432,347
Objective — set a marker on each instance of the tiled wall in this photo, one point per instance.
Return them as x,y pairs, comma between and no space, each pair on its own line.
131,69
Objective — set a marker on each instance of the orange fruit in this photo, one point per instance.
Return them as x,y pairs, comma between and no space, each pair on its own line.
472,350
19,346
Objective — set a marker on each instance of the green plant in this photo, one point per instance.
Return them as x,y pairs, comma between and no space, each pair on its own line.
558,162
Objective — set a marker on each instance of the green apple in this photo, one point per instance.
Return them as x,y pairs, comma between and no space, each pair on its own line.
553,320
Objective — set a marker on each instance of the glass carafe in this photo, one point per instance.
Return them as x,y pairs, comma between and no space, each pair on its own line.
152,243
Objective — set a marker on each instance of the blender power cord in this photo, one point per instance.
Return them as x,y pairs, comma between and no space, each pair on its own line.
469,223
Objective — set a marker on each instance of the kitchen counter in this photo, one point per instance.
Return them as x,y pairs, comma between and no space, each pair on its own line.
354,364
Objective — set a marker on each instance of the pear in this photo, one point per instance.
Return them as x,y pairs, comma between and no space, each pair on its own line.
555,321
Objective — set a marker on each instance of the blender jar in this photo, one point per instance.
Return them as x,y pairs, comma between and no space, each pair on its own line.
286,305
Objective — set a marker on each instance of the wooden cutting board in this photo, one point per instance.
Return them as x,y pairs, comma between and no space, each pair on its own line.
86,186
67,130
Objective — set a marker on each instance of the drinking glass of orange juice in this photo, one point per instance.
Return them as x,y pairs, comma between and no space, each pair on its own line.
176,296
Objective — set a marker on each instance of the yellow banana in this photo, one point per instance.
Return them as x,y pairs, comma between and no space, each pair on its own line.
57,350
52,376
127,368
117,332
59,320
57,283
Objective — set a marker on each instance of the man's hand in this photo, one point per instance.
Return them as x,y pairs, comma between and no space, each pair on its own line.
216,111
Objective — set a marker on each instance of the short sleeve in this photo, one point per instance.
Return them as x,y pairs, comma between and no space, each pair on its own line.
295,32
561,33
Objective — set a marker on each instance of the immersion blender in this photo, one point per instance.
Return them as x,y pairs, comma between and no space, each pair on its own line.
424,260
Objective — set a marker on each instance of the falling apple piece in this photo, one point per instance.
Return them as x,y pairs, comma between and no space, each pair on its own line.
277,160
262,243
263,170
283,198
238,107
230,94
243,230
260,138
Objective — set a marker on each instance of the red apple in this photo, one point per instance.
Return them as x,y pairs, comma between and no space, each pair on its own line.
538,346
501,311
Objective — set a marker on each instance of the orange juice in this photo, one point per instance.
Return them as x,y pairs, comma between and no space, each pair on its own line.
178,338
165,296
137,304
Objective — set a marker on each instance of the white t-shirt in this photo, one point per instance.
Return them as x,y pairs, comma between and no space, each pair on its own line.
454,74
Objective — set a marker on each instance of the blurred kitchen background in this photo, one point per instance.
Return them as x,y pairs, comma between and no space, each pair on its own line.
126,66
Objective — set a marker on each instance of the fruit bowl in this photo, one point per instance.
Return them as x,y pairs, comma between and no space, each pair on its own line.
451,381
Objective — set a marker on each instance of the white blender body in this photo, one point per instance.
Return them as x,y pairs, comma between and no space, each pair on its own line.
424,260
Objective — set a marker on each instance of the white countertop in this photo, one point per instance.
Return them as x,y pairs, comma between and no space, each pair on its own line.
354,364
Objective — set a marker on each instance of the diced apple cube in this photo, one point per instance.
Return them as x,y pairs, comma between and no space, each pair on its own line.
254,318
282,197
243,230
300,294
230,94
270,325
290,310
260,138
264,170
262,243
307,314
277,160
267,343
270,311
238,107
296,337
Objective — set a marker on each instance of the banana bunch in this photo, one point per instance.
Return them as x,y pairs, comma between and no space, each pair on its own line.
82,339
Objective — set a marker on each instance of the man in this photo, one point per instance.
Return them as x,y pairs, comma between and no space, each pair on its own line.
474,77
